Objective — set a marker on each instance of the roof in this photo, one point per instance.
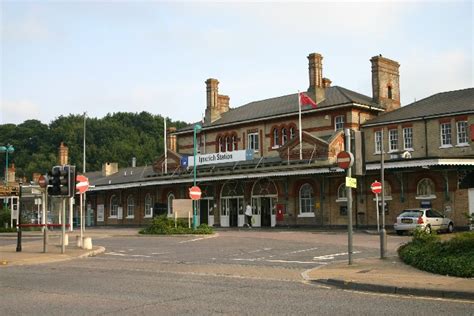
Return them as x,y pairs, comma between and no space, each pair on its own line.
440,104
286,104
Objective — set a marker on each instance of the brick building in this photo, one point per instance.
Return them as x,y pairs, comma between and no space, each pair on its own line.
253,154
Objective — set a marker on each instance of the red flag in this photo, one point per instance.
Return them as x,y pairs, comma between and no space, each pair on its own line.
306,100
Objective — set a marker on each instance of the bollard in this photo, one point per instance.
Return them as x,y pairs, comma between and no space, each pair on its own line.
45,239
66,239
79,241
87,243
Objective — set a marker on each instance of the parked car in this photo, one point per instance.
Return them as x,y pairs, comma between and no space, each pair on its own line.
423,218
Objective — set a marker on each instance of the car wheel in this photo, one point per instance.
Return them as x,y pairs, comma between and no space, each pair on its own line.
450,228
399,232
428,229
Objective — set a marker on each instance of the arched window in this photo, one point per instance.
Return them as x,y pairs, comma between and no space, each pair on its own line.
148,205
284,136
341,193
275,137
228,143
130,206
292,132
170,204
234,142
306,200
389,92
425,189
114,206
221,144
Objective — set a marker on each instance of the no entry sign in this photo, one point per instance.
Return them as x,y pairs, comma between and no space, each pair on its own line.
82,184
345,160
376,187
195,193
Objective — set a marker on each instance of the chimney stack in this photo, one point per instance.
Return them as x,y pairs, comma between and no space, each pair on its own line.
316,86
216,103
385,82
171,138
63,154
109,168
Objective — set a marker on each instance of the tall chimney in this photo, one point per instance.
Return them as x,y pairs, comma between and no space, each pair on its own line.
63,154
212,92
109,168
171,138
385,82
316,87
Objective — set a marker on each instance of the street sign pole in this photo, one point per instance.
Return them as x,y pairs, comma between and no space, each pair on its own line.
349,198
383,232
63,224
377,207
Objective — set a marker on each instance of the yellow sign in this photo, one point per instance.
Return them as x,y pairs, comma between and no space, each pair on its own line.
351,182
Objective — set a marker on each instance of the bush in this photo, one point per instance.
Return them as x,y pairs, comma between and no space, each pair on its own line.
162,225
4,217
453,257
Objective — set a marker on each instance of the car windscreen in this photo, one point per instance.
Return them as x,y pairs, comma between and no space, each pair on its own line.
409,213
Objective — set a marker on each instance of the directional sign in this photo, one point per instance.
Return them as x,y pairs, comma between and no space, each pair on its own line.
345,160
195,193
82,184
351,182
376,187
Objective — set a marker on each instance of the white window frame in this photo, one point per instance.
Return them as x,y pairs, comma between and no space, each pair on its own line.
113,212
234,142
275,138
341,193
253,143
393,140
407,138
378,142
339,121
461,133
284,136
130,206
446,135
169,200
292,132
148,206
306,200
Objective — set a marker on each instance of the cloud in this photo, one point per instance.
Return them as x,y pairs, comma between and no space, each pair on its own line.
18,111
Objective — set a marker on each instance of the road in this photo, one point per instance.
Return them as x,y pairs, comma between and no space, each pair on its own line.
244,272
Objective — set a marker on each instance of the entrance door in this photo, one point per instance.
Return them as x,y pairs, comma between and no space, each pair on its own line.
206,211
224,218
265,212
233,212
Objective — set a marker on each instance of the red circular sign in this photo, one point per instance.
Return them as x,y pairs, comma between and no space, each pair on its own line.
42,181
345,160
376,187
82,184
195,193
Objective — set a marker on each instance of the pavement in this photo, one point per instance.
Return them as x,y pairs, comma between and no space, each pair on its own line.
389,275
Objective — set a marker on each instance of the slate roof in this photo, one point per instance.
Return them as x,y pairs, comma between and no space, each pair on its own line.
444,103
286,104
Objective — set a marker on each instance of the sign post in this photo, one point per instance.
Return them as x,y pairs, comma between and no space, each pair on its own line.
82,185
376,188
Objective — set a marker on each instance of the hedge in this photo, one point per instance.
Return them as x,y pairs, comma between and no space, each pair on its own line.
454,257
163,225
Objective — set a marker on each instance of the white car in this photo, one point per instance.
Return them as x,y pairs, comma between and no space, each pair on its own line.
423,218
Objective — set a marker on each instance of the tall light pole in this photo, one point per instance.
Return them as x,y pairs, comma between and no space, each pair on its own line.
383,232
197,127
8,149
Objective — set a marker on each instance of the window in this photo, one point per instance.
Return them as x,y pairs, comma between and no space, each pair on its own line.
292,132
378,142
393,139
275,137
284,136
341,193
389,92
445,130
130,207
113,206
253,141
425,189
339,122
234,142
306,200
170,204
461,132
407,138
228,143
221,144
148,205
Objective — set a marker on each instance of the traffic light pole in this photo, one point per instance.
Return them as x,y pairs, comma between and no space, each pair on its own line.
63,223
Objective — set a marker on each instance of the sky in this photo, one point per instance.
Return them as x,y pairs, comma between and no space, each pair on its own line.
70,57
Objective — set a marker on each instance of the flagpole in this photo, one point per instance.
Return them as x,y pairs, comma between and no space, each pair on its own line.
299,126
166,150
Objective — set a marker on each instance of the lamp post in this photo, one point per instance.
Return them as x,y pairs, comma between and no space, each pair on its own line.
6,149
197,127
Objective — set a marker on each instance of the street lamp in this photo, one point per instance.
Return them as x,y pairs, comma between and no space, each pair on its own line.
197,127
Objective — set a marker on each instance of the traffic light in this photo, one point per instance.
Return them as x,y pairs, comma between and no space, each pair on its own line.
62,181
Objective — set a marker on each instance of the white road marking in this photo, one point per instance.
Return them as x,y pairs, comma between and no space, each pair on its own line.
159,253
196,239
303,250
331,256
278,261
